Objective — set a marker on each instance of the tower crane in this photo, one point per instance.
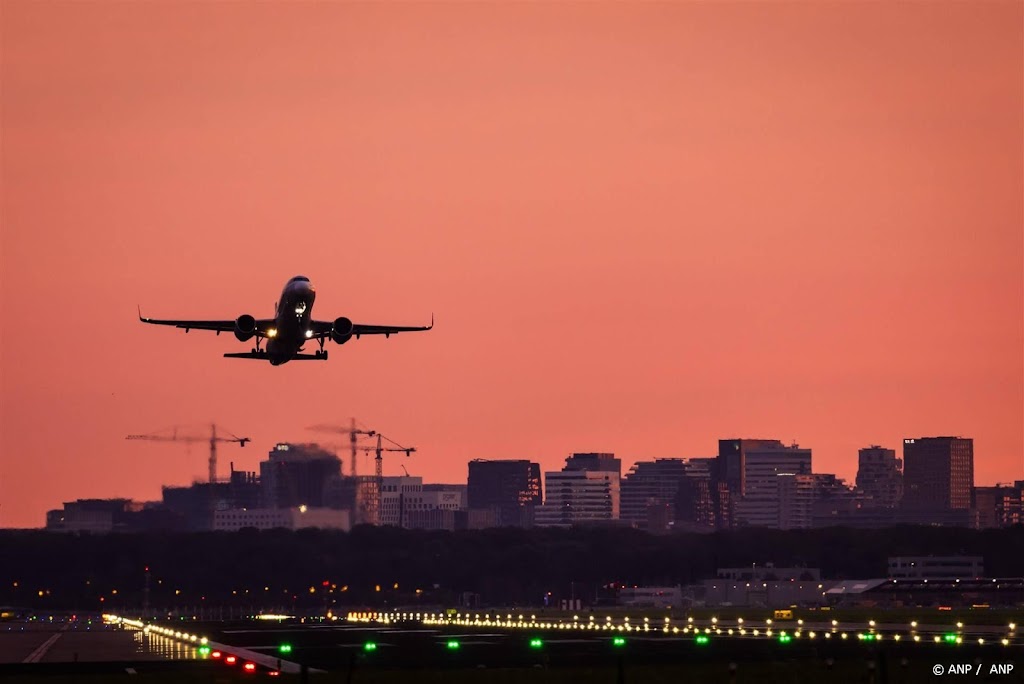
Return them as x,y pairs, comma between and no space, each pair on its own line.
367,503
379,451
213,439
353,432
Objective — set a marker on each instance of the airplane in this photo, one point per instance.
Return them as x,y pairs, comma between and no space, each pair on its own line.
291,327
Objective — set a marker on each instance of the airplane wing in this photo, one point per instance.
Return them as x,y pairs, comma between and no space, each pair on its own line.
262,325
323,328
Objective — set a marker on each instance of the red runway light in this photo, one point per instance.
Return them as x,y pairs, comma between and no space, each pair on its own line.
215,654
250,667
230,660
273,673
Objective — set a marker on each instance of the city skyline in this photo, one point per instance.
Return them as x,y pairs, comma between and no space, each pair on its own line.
504,478
641,228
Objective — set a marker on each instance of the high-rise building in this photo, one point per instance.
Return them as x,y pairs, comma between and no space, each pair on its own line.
509,489
880,476
579,497
999,506
298,475
444,508
585,491
398,497
695,504
650,482
768,500
650,490
732,459
938,473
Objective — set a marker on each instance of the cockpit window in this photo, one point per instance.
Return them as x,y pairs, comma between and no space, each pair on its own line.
297,278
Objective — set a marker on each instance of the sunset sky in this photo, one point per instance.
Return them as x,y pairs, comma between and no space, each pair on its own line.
641,228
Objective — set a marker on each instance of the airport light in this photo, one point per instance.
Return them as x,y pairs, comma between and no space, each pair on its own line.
453,645
785,638
950,638
230,660
204,651
536,643
284,648
249,667
619,641
369,646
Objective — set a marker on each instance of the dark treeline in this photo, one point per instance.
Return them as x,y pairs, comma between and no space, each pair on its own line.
504,566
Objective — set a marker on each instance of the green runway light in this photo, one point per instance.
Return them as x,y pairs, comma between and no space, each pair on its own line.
369,646
285,648
453,645
619,641
536,643
204,650
785,638
950,638
702,639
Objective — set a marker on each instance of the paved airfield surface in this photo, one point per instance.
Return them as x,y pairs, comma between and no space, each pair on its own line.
79,641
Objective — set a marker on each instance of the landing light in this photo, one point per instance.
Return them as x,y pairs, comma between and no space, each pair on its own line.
309,333
272,332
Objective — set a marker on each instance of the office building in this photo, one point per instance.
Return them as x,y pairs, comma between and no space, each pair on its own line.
731,463
999,506
298,475
880,476
938,473
936,567
235,519
579,497
509,489
651,484
778,484
399,496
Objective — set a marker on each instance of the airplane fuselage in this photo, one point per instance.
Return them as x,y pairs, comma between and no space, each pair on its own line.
294,313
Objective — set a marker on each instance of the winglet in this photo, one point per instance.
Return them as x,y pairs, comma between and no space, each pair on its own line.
431,319
140,313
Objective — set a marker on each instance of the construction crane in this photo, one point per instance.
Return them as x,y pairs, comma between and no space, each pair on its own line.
367,504
379,451
213,439
353,432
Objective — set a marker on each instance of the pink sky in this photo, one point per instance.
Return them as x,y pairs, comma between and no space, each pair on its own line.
642,228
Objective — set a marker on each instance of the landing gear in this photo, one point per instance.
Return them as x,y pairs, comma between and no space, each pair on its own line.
321,355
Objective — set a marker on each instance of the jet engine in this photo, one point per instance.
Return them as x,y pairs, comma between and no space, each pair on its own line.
245,327
342,330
